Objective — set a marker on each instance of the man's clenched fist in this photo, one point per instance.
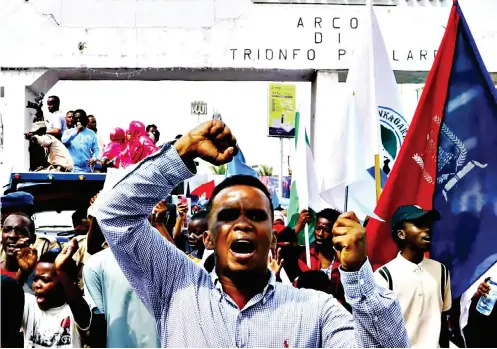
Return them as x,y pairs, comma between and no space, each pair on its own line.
349,237
212,141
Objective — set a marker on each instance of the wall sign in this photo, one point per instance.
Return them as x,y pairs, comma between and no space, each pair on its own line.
199,108
282,105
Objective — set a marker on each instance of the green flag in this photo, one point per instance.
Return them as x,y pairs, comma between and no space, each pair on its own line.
303,180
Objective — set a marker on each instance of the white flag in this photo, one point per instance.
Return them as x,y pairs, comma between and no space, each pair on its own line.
372,99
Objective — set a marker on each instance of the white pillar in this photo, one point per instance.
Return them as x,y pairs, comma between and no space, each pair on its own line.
19,87
325,101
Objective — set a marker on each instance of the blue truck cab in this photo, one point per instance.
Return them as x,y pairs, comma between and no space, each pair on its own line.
56,196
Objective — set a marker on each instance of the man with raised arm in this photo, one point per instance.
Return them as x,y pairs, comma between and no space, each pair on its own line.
239,304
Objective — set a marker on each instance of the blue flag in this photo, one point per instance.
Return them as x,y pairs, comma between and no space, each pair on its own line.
466,188
238,166
448,162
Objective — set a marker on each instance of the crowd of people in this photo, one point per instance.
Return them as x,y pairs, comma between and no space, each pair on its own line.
72,143
142,273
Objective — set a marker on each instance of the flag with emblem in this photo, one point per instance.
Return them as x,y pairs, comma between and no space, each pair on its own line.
373,123
448,162
304,193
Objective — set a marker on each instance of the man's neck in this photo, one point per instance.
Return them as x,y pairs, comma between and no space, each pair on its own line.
11,264
325,252
412,255
242,287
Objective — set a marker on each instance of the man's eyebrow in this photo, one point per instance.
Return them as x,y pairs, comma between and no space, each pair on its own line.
256,210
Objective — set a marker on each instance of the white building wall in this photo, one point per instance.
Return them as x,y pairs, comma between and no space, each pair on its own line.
214,33
203,33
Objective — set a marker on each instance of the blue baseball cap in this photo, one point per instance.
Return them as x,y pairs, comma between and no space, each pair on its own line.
17,199
412,212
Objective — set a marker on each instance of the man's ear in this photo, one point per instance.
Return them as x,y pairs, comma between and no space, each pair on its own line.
208,240
401,234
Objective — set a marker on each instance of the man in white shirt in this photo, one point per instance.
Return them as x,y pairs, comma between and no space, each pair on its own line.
421,285
58,156
56,120
129,324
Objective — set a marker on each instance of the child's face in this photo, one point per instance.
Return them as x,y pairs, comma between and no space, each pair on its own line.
47,287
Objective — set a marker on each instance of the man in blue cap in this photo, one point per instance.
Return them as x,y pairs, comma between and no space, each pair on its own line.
18,201
23,202
421,285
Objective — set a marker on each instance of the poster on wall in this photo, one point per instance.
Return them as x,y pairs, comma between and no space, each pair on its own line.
281,116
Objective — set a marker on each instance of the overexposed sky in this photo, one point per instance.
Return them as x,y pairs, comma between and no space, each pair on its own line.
243,106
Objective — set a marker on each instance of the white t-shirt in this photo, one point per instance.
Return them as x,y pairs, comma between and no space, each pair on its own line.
56,120
53,328
419,291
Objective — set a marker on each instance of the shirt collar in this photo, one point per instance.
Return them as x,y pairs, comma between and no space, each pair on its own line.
408,264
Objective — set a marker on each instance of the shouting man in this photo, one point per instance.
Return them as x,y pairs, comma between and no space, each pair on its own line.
239,304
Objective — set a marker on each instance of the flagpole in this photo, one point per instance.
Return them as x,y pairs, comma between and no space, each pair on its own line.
307,246
346,199
377,176
280,179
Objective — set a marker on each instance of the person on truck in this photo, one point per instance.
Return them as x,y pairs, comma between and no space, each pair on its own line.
82,143
56,120
58,156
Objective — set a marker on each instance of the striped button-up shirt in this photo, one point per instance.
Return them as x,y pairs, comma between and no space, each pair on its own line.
190,306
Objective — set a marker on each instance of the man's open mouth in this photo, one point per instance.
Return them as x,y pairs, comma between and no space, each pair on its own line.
40,297
242,249
427,238
10,247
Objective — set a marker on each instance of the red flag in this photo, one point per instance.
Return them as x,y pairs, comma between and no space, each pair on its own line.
206,188
413,178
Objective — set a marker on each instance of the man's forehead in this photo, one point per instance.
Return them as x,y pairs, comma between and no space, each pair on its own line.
248,195
16,219
44,268
323,220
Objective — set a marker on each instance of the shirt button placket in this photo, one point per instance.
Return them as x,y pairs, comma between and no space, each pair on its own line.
239,330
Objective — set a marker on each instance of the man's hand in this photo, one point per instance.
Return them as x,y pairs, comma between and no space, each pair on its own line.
212,141
92,162
65,255
483,289
26,256
92,200
182,210
275,264
304,218
349,237
159,212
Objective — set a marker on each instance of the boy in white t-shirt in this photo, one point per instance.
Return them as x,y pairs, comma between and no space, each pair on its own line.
57,313
422,285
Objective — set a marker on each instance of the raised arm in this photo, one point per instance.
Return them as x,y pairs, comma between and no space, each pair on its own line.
69,135
377,316
158,217
154,267
74,297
